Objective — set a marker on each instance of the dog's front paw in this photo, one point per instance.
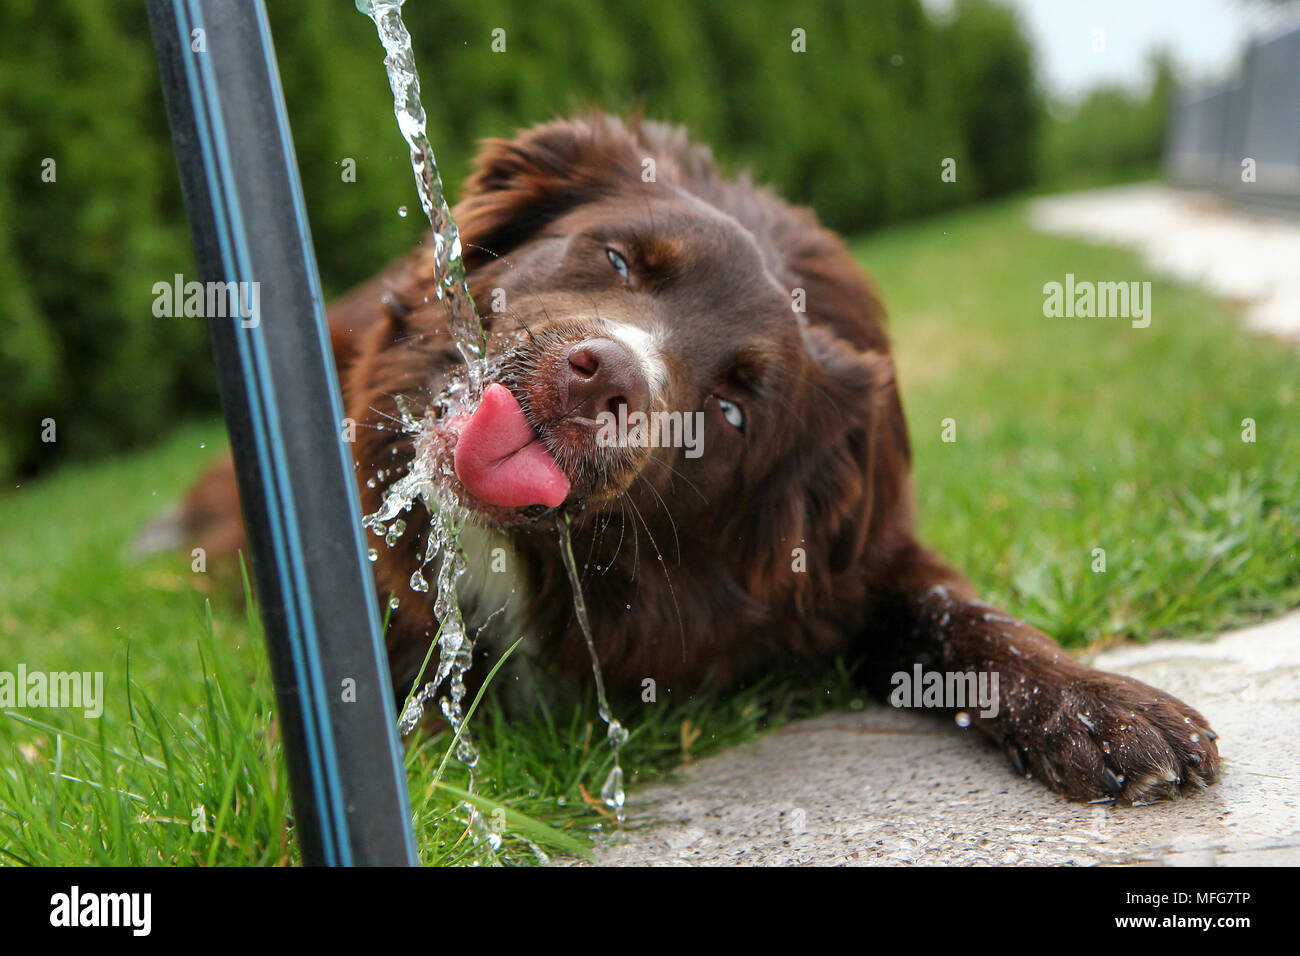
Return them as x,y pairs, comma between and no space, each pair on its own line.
1090,735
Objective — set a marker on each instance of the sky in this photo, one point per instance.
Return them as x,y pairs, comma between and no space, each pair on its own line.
1206,37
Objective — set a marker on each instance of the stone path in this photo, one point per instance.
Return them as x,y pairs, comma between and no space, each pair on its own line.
1196,237
881,786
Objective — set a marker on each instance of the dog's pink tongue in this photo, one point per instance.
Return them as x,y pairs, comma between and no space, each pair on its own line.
500,459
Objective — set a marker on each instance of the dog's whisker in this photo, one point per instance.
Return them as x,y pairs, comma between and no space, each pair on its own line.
672,522
694,487
672,591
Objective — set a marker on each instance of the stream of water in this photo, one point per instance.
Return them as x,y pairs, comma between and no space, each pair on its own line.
422,482
612,792
451,287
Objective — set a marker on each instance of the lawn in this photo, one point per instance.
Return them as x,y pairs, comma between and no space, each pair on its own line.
1072,435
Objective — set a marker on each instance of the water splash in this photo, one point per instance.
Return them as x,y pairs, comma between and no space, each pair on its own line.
612,792
449,263
424,482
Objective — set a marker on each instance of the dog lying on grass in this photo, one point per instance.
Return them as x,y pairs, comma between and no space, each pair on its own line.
697,374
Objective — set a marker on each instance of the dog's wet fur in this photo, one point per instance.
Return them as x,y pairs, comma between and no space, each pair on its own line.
789,541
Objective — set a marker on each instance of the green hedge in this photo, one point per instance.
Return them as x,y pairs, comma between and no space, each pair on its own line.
1111,130
857,126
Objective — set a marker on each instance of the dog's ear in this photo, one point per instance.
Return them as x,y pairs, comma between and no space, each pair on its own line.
870,437
829,494
521,185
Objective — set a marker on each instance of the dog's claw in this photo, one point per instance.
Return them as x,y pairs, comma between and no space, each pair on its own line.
1110,782
1016,755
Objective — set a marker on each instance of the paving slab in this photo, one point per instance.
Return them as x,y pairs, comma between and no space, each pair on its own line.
1247,256
879,786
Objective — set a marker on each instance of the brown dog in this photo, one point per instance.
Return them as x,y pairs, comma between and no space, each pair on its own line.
618,274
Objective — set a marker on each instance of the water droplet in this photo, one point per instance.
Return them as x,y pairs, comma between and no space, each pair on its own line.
395,531
612,792
372,555
962,718
393,602
401,211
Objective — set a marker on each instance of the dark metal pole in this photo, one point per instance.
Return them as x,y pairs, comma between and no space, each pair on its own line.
284,414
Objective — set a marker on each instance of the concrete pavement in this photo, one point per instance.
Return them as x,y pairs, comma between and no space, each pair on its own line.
882,786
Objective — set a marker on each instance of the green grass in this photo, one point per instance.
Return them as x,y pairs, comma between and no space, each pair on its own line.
1071,435
189,729
1078,434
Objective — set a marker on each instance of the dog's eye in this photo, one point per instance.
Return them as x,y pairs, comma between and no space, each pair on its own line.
733,413
619,263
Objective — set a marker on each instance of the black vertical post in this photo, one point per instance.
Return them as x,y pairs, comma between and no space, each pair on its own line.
284,414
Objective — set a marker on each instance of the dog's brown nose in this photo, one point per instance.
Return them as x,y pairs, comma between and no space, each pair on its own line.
602,375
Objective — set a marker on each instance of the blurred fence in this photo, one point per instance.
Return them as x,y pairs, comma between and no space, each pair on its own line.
1243,138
